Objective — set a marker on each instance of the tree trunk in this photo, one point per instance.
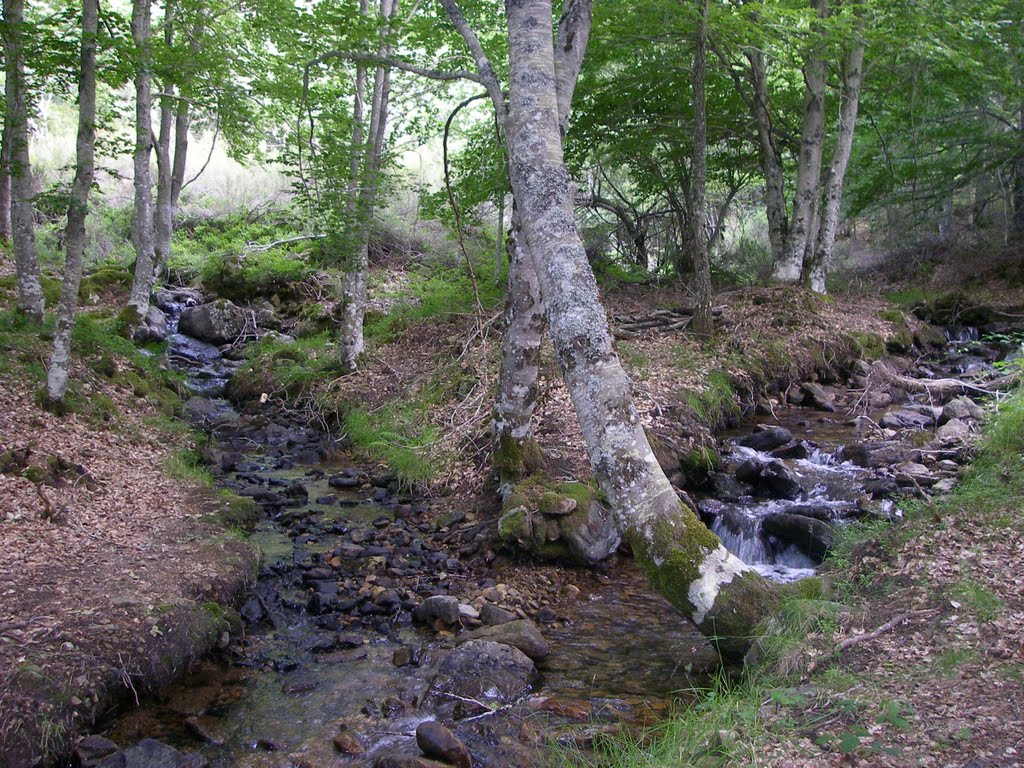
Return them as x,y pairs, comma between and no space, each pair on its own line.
364,183
163,213
74,238
808,179
30,290
5,184
821,259
771,158
142,215
702,320
684,560
516,452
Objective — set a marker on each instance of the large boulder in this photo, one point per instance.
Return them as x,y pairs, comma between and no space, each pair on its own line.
811,536
218,322
769,478
905,419
816,396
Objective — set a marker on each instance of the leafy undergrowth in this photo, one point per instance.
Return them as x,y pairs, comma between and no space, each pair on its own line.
916,657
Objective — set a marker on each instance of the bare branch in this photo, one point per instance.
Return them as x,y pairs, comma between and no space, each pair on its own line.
487,78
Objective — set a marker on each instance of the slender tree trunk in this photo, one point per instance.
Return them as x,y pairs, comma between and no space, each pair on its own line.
516,452
74,239
808,179
364,183
5,184
821,260
142,215
771,157
30,290
163,213
182,123
702,320
683,559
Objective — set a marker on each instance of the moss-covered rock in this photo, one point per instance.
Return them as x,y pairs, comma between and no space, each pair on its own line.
236,511
566,522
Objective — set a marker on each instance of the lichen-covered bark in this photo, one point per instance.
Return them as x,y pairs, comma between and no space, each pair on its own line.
5,184
808,177
684,560
163,212
30,291
142,213
516,451
816,270
78,208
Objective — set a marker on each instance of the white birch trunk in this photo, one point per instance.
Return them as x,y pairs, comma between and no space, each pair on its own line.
808,179
821,259
683,559
78,209
142,214
30,290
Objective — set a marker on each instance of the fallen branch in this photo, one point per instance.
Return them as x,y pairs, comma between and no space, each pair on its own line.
857,639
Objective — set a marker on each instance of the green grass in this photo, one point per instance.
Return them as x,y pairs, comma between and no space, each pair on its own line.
396,437
186,464
716,403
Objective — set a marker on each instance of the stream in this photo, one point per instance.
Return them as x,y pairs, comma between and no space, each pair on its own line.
332,668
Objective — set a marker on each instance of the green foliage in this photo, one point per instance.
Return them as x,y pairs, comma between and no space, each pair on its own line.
431,293
716,403
187,464
397,437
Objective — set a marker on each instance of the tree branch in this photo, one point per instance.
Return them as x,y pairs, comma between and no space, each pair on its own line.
387,61
487,78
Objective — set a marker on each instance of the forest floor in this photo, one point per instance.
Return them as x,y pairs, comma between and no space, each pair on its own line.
112,566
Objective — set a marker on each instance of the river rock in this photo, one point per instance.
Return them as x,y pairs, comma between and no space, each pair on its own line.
770,478
437,741
207,412
492,615
875,455
92,750
910,473
587,535
795,450
485,671
148,753
962,408
765,437
152,326
522,634
905,419
439,609
816,396
398,760
219,322
808,534
953,431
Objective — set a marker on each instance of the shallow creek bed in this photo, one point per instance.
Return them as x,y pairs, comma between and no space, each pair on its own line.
370,617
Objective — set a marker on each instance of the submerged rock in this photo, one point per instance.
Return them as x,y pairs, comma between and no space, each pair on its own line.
437,741
482,670
522,634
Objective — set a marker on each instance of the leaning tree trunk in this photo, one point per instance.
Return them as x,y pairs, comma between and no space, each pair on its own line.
142,214
771,157
821,259
517,453
30,290
683,559
808,179
78,208
702,321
